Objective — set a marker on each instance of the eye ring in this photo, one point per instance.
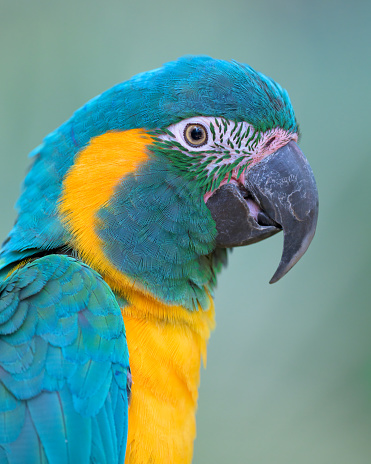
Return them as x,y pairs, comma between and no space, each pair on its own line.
195,134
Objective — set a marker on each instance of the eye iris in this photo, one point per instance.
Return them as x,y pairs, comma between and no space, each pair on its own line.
195,135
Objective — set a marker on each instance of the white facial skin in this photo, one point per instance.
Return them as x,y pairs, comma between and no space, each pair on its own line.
237,143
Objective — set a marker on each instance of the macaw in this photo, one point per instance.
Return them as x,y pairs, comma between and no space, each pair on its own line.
125,219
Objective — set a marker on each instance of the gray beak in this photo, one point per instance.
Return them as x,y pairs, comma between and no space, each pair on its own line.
280,193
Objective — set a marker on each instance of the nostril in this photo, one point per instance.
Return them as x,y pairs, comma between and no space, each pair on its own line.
269,142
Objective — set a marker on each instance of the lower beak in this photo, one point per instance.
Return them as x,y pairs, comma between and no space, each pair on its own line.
280,193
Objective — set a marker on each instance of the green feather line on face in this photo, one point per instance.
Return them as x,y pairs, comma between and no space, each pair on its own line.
230,149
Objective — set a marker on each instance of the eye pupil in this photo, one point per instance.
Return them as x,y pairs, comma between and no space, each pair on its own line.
195,135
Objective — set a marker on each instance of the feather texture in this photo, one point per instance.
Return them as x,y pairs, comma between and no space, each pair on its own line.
63,366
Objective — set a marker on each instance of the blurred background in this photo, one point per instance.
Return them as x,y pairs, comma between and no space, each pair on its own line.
288,378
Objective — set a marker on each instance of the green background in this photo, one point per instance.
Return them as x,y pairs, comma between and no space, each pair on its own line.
289,375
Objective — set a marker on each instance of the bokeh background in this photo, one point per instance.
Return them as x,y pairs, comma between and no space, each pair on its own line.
289,366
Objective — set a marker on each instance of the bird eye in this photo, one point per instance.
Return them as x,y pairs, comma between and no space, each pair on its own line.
195,135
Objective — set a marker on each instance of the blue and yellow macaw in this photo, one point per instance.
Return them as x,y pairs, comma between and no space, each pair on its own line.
124,222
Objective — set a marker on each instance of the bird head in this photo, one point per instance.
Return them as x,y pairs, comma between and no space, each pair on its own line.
153,180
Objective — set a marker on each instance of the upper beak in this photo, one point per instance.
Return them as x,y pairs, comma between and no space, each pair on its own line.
280,193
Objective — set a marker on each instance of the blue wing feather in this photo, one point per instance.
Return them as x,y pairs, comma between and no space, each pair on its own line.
63,366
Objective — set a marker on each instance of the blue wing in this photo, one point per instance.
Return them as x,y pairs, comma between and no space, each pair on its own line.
64,366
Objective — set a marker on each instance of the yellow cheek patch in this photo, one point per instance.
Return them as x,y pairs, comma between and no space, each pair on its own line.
90,183
88,186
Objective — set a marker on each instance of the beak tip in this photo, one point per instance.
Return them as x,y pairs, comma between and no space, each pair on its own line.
289,259
280,272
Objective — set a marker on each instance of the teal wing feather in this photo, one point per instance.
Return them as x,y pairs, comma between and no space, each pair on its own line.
64,366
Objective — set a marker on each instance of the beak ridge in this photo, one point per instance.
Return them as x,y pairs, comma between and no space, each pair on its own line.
284,186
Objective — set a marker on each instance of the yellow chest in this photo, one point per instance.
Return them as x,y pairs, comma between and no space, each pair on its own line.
165,357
